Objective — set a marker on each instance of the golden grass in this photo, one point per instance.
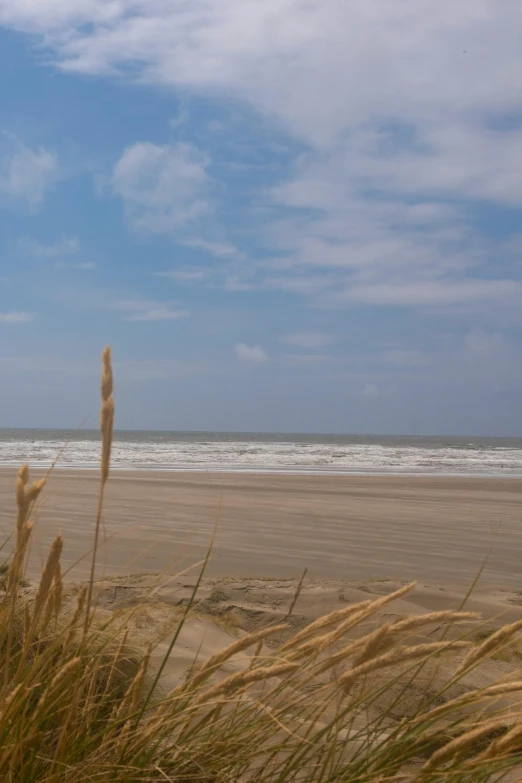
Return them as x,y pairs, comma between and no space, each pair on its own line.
77,704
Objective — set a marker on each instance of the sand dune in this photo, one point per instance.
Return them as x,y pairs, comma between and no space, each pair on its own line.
227,608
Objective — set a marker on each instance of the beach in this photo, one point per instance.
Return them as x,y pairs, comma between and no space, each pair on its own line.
362,539
432,529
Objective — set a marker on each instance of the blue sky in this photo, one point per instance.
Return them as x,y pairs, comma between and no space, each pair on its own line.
283,215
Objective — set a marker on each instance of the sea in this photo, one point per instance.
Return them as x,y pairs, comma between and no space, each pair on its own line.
271,453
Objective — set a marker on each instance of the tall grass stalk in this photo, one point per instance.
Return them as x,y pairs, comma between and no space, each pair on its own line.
106,430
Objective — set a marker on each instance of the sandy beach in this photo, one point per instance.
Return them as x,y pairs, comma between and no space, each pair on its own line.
437,530
361,538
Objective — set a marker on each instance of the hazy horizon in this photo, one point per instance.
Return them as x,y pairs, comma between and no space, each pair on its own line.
267,433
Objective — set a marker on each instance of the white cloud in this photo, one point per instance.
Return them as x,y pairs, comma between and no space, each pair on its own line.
159,314
219,249
63,248
415,62
185,275
164,188
308,339
308,285
83,266
15,318
56,14
401,115
234,283
382,251
26,174
250,353
146,310
134,304
429,293
66,245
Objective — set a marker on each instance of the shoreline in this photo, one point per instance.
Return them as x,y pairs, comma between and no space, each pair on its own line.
269,471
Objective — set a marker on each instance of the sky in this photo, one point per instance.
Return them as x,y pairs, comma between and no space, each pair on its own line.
283,215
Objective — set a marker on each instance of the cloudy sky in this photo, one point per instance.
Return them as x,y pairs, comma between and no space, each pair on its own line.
284,215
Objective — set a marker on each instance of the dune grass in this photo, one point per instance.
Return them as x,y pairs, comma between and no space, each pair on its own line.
79,704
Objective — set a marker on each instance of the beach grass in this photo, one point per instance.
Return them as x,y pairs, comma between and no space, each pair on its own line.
80,701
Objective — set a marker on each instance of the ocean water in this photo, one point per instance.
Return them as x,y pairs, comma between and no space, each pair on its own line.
280,452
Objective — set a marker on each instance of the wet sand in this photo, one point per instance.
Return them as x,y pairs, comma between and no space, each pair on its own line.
438,530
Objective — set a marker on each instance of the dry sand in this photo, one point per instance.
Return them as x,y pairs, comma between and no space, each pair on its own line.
436,530
225,608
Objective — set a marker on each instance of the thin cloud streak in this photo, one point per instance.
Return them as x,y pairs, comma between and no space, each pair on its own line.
14,317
